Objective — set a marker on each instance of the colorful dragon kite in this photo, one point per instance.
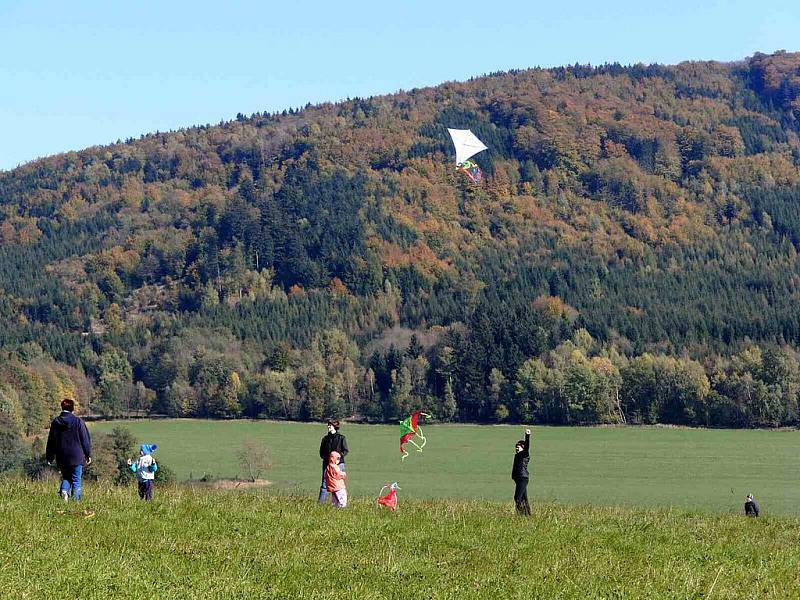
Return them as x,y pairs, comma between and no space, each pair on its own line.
409,428
471,169
389,500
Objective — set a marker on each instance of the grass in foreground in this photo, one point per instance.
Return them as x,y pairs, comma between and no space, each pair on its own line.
691,468
200,544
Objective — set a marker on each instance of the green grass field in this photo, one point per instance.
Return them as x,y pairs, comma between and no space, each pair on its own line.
708,470
198,544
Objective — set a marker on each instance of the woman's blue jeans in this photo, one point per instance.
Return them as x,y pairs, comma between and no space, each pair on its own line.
71,481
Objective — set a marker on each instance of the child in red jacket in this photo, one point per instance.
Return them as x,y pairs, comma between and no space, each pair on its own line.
336,478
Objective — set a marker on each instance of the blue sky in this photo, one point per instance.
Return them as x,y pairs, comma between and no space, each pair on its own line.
77,74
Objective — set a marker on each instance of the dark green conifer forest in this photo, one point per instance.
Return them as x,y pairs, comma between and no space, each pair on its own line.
630,257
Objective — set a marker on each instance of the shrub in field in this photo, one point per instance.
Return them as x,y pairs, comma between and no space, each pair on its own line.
254,458
35,465
12,451
110,457
165,474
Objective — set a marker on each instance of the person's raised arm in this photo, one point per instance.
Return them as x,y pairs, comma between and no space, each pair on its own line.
527,449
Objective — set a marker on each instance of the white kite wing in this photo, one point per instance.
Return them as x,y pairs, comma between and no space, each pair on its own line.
466,143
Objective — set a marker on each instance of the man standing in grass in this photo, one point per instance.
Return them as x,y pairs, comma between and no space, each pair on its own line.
332,442
70,446
520,475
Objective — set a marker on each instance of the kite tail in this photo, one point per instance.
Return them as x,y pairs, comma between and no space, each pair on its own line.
403,441
422,437
419,434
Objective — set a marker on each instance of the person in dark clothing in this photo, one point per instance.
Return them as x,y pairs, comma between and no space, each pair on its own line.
520,475
750,506
332,442
70,446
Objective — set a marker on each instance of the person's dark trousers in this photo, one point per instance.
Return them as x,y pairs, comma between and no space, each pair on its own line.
521,497
71,481
146,489
323,490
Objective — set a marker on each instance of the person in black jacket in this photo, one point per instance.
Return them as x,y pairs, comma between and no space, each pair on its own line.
750,506
70,446
520,475
332,442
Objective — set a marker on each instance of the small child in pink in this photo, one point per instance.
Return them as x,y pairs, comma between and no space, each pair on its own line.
336,481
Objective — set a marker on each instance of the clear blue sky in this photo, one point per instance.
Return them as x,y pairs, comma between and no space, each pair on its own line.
81,73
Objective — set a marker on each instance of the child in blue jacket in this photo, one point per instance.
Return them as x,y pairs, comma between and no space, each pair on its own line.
145,468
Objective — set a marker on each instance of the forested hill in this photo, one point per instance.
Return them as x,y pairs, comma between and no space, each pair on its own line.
631,255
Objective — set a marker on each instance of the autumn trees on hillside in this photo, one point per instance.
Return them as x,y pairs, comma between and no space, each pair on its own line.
264,266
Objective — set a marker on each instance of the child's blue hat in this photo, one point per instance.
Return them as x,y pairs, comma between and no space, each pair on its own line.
149,448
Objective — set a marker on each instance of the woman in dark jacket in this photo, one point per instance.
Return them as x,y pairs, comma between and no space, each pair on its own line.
520,475
70,446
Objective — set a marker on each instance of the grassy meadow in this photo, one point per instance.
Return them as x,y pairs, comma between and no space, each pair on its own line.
197,544
708,470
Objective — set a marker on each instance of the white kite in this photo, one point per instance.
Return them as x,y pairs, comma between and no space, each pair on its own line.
467,146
